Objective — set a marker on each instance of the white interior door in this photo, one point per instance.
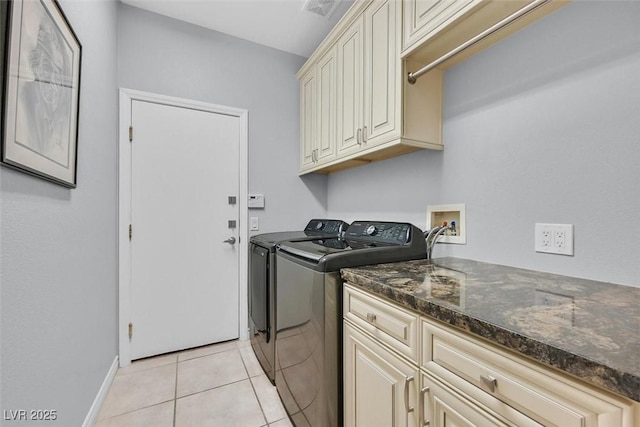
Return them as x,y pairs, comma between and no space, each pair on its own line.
184,278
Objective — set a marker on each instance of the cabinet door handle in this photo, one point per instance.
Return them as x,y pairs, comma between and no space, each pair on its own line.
423,415
490,382
364,135
359,136
371,317
407,381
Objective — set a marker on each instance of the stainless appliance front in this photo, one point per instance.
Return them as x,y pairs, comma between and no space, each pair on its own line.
309,343
262,284
309,312
261,303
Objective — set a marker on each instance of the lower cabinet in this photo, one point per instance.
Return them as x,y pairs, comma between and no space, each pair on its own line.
446,407
453,379
380,388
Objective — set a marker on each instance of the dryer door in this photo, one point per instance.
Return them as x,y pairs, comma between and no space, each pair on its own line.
259,290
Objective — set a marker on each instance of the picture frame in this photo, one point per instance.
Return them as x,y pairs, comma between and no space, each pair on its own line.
41,92
3,19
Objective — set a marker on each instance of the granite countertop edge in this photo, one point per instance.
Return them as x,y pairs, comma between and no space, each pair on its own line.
590,371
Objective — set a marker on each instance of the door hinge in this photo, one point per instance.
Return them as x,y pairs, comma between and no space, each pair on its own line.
130,231
130,331
130,133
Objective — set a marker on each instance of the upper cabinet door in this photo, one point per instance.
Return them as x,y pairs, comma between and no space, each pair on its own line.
422,17
381,88
350,85
307,120
327,76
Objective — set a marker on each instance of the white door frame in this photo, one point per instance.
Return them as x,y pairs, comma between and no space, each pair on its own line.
124,208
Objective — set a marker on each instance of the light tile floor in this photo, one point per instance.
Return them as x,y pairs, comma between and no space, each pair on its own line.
220,385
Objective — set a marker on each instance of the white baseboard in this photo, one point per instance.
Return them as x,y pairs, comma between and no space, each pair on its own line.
92,416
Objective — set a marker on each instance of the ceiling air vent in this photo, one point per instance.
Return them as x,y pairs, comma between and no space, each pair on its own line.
321,7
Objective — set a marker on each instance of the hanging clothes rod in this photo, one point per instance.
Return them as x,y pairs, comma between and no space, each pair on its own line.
413,77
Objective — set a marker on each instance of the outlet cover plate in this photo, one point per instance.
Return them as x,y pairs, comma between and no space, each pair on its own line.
554,238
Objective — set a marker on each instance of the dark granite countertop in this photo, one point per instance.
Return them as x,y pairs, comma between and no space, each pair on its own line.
586,328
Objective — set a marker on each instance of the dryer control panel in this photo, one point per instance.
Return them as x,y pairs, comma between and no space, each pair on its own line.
326,226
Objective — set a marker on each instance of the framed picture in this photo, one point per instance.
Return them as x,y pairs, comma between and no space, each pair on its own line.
3,20
41,92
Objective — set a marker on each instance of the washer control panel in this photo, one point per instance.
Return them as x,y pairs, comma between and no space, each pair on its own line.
392,233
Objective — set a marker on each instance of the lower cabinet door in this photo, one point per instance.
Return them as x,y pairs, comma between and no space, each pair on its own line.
441,406
380,388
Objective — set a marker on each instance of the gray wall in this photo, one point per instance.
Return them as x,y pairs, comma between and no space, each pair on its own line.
542,127
58,251
162,55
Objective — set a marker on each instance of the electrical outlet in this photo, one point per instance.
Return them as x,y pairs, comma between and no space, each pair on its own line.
558,239
554,238
546,238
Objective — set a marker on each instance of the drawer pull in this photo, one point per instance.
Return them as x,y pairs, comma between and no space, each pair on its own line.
423,415
490,382
371,317
406,394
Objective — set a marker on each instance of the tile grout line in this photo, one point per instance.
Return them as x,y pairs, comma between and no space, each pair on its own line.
134,410
257,398
237,350
175,392
177,362
254,389
211,388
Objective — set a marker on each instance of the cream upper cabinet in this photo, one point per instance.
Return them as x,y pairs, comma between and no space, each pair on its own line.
381,73
308,120
368,81
378,114
432,29
318,112
327,107
380,388
423,17
350,88
376,118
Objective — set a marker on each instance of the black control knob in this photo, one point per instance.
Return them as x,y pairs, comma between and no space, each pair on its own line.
371,230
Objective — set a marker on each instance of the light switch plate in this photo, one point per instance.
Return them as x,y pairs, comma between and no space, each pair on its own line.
254,224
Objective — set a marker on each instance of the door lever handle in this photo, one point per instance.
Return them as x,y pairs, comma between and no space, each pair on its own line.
231,240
